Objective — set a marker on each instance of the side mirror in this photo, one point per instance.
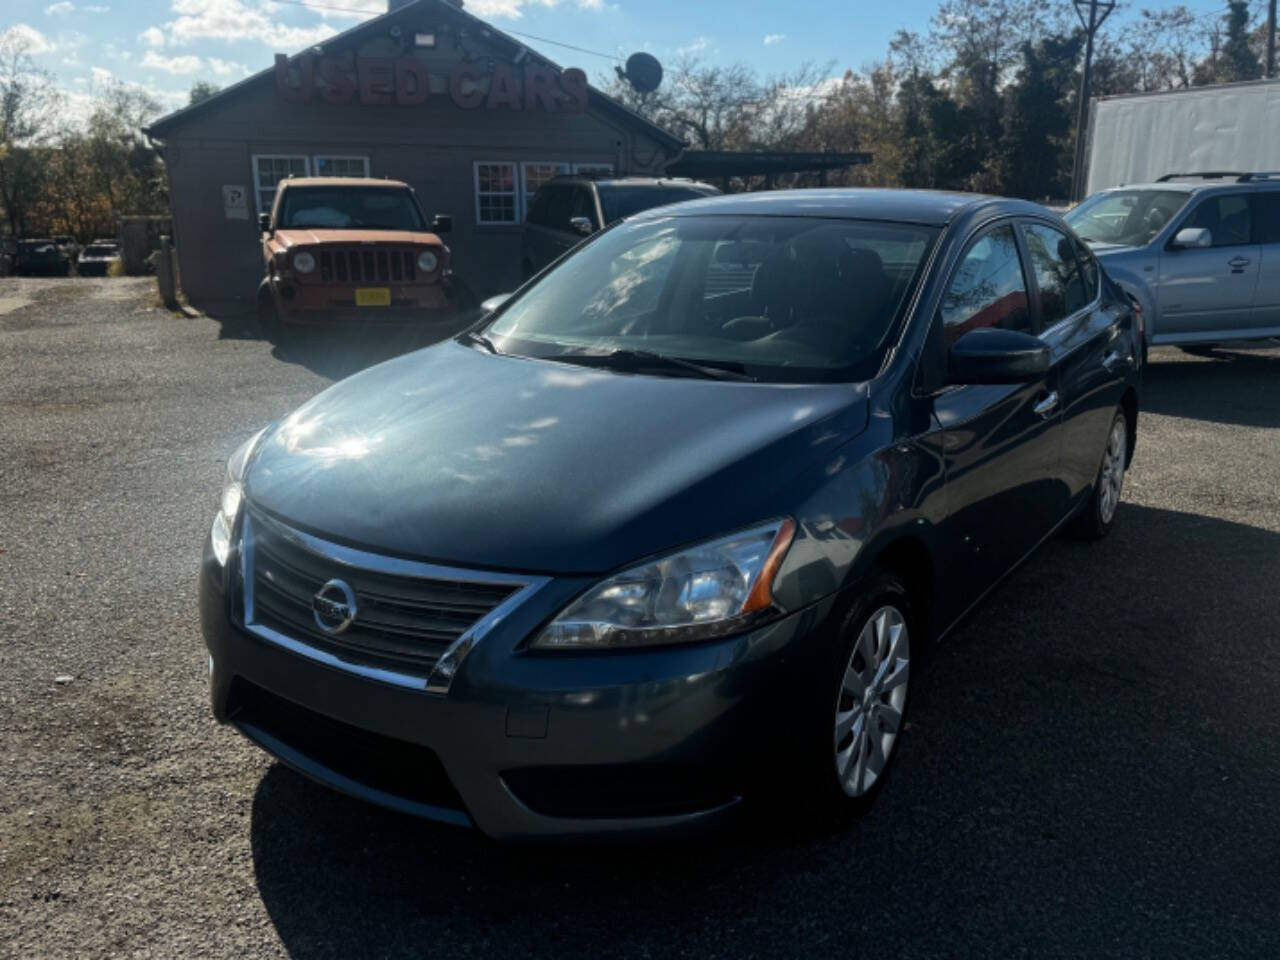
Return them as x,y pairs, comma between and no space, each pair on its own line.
442,223
992,355
493,303
264,222
582,226
1191,238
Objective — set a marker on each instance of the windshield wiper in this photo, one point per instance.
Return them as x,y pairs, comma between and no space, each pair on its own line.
476,337
629,359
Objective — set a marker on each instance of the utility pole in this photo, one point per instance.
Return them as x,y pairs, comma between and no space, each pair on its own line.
1091,25
1271,38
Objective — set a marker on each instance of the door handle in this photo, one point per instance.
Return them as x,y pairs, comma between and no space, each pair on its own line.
1047,406
1237,264
1111,360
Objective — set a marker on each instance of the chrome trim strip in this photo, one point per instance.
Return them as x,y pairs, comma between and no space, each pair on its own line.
444,669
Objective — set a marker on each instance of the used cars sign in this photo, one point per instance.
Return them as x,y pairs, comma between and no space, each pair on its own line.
405,81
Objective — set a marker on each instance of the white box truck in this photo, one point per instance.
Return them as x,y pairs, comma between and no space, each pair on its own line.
1140,137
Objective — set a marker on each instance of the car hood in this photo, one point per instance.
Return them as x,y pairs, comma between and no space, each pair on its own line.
297,236
1102,249
458,456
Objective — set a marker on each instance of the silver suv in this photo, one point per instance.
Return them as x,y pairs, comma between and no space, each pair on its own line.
1200,253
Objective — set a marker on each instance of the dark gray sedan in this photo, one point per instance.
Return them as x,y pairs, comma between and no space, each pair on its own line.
670,525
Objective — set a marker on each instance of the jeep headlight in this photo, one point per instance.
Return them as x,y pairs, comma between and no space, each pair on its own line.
230,498
427,261
304,262
707,590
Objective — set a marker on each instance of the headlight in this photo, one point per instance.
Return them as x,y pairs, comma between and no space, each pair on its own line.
304,262
229,501
427,261
704,591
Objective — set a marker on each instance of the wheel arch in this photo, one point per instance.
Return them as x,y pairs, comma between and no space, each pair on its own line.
909,558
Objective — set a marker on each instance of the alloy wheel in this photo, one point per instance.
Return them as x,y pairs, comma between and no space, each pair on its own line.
1111,479
872,696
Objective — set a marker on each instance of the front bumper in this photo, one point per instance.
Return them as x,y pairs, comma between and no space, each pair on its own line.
316,304
527,744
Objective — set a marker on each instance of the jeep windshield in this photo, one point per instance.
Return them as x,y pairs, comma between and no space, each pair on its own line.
1129,217
789,299
349,208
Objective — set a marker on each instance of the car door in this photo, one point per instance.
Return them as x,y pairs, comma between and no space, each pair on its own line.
1000,442
1090,347
1209,290
1266,308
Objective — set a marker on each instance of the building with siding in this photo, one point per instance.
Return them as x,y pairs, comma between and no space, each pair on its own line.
469,117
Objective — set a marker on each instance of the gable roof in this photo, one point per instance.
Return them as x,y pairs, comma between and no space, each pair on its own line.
167,124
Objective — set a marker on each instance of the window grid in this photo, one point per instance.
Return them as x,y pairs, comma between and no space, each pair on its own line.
341,166
496,192
269,170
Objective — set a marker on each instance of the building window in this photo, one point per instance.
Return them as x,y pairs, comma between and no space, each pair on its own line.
594,169
341,166
536,173
269,170
496,194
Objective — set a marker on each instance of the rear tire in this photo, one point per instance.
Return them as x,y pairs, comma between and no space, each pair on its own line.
1098,516
859,708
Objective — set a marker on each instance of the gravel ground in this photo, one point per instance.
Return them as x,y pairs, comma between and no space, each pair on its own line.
1092,768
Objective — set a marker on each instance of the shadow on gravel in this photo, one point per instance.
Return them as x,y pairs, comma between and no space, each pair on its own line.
1237,386
1086,774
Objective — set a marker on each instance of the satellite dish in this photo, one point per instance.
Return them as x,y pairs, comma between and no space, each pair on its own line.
643,72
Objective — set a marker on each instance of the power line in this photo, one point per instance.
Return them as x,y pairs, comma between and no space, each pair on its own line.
519,33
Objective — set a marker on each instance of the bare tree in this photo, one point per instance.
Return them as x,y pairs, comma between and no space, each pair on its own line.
29,107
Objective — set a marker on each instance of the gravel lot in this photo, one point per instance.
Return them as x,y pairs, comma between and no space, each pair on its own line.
1092,770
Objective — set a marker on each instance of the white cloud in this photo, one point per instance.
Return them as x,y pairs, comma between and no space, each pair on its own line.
697,46
514,9
176,65
95,8
59,9
101,75
227,68
771,38
152,37
29,37
232,21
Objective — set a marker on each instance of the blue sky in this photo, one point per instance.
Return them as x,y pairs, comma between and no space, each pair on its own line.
166,45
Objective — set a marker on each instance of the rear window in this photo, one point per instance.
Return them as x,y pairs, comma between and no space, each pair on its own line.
349,208
619,202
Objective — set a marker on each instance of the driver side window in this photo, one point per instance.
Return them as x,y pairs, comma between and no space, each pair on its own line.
988,288
1227,218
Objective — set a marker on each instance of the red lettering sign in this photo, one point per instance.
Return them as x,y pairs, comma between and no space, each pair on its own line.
406,82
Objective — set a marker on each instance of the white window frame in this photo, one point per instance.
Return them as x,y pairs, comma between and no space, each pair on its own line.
526,198
315,162
514,193
605,169
258,188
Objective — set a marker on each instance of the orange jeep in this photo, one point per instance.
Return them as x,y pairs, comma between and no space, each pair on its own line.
347,250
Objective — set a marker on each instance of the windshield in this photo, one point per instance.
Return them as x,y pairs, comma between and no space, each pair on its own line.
349,208
620,202
780,298
1131,217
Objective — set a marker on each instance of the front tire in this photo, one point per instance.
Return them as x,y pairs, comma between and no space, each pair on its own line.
862,698
1098,515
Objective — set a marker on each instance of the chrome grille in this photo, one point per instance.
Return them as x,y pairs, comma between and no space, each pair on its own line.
369,265
409,616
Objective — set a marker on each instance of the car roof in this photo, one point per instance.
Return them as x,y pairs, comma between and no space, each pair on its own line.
341,182
931,207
